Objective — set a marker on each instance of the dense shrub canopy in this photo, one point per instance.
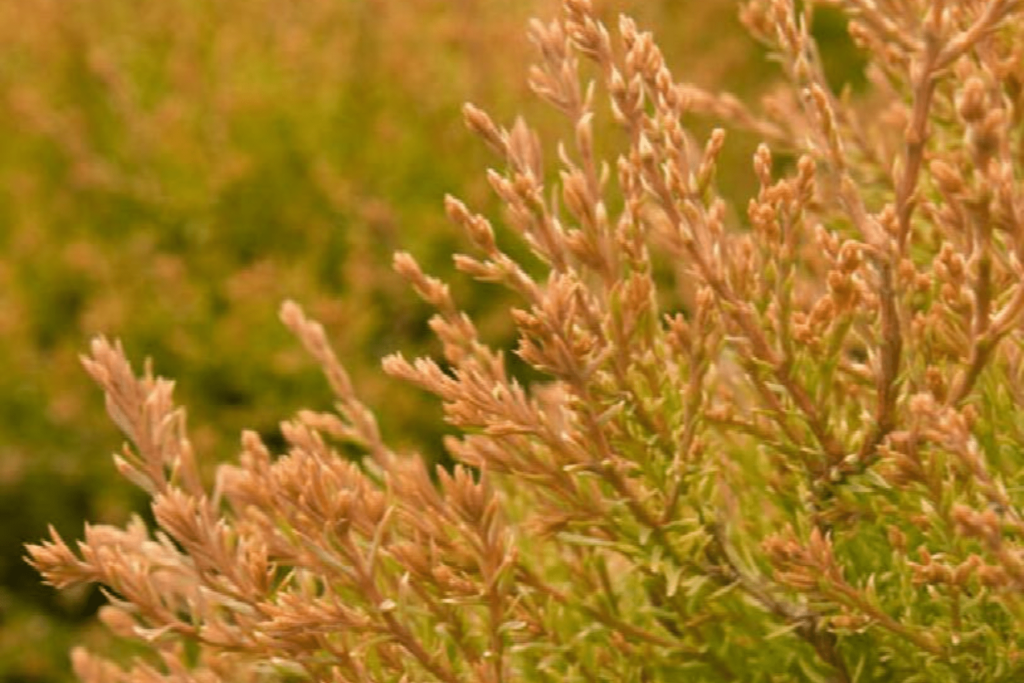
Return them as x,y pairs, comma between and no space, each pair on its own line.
746,440
169,170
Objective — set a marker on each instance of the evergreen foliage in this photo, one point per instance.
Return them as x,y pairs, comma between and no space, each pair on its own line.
769,441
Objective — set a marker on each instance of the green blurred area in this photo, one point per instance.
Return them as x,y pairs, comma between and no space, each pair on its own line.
171,171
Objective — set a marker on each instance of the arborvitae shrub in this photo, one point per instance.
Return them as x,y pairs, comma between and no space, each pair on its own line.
771,442
170,168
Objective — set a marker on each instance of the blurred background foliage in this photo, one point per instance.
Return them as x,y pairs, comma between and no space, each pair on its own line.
170,171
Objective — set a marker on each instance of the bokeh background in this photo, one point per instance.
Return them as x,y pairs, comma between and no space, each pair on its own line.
170,171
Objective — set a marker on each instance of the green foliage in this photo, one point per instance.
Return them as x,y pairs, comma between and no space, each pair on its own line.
172,168
766,445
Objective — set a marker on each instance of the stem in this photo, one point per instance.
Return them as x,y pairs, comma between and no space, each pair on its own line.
888,375
917,138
